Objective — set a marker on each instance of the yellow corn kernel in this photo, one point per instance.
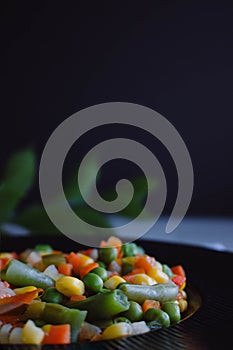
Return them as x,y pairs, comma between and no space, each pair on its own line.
158,275
31,334
113,282
69,286
183,286
5,255
183,305
46,328
184,294
85,259
142,278
24,290
117,330
129,259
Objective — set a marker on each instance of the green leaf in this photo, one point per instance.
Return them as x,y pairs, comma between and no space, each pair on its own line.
18,178
140,193
35,219
71,187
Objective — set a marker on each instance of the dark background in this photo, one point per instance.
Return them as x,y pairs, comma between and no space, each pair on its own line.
173,56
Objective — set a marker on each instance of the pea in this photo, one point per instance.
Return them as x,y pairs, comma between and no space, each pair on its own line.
166,269
121,319
101,264
129,249
93,282
100,271
134,313
157,315
52,295
173,310
108,254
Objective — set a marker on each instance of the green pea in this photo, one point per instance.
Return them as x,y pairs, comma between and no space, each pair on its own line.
154,314
173,310
121,319
52,295
101,264
93,282
108,254
166,269
134,313
100,271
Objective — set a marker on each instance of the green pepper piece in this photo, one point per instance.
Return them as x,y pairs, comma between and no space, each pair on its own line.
22,275
173,310
53,259
102,306
160,292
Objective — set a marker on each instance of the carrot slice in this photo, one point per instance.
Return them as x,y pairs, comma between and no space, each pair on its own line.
24,298
65,269
146,262
148,304
178,270
77,297
3,262
87,268
75,261
58,334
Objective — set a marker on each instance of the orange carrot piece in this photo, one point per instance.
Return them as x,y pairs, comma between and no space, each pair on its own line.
65,269
24,298
4,262
178,270
58,334
148,304
86,252
75,261
146,262
179,280
77,297
87,268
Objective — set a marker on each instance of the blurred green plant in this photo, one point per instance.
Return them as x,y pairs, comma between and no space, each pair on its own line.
19,178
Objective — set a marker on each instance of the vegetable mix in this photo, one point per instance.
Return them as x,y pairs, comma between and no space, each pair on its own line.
117,290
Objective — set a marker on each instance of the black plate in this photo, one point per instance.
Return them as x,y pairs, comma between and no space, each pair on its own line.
209,275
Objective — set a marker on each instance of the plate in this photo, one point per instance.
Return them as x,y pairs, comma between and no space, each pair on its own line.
209,319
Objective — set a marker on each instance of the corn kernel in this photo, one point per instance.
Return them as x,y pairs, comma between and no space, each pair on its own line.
113,282
85,259
158,275
69,286
158,265
183,286
24,290
142,278
129,259
46,328
5,255
116,330
31,334
183,305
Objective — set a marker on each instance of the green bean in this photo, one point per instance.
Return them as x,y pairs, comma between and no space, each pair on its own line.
45,248
160,292
53,259
157,315
173,310
56,314
22,275
134,313
102,306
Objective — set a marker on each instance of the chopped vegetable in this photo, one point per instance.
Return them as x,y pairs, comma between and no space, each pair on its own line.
51,297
